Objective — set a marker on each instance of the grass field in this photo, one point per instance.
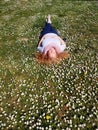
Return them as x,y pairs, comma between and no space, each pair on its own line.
60,96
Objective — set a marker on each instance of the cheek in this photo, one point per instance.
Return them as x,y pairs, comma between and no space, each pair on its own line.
54,53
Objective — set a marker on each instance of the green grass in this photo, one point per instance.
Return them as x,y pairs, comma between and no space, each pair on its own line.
56,97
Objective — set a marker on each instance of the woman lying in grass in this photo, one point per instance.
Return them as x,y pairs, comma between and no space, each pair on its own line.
51,47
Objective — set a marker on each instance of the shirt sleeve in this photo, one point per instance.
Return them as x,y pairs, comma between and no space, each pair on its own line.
40,48
63,46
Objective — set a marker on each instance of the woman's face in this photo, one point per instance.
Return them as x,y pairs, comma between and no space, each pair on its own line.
52,53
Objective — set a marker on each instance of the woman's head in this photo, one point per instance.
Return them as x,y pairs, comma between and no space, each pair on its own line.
52,56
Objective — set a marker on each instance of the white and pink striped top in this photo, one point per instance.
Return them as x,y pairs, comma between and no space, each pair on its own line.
51,40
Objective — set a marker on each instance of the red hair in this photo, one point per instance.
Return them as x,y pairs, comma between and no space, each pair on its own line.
45,59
